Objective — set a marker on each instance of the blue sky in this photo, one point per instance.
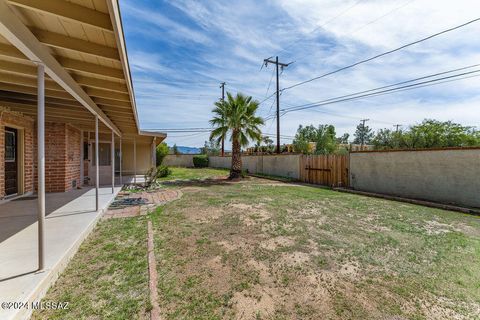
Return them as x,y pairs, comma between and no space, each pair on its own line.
180,51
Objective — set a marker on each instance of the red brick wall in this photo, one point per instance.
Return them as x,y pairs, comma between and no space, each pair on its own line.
62,156
73,157
24,123
55,156
62,153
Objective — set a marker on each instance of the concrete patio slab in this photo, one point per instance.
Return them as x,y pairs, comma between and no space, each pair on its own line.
70,218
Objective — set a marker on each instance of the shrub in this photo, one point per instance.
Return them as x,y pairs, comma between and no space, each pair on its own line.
163,171
152,175
200,161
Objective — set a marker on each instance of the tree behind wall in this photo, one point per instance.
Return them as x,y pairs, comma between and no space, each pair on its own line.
323,136
363,134
175,149
428,134
162,151
326,139
211,148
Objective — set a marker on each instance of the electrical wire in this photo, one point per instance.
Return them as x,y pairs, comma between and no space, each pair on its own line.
387,91
382,54
396,84
270,82
367,24
322,25
382,16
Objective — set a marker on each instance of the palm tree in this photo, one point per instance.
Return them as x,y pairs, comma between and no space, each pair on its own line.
237,116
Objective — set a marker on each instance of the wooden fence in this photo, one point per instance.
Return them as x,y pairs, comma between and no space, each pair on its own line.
329,170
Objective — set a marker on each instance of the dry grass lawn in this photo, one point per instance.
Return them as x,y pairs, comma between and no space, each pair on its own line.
260,249
265,250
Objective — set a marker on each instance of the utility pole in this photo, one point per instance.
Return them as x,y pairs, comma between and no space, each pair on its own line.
363,132
282,65
222,85
397,126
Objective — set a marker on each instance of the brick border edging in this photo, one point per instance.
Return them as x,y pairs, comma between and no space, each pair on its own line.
140,210
152,274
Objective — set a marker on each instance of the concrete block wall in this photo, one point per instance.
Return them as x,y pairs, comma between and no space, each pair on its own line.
179,160
447,176
285,165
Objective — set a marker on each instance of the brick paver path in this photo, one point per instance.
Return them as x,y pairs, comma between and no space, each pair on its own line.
154,199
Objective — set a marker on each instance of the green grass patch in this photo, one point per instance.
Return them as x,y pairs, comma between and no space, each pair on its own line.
107,278
194,173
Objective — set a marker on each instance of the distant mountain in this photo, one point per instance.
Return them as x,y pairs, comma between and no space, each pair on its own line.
188,150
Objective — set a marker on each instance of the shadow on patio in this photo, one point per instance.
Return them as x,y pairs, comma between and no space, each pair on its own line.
70,217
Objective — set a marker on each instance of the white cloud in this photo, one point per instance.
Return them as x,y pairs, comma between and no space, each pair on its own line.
229,40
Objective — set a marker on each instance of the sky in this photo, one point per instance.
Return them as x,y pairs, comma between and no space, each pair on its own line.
180,50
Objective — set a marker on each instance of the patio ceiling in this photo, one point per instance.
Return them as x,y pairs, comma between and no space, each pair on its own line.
84,39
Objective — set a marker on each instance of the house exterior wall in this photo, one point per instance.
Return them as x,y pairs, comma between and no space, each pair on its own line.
72,169
144,158
55,151
26,125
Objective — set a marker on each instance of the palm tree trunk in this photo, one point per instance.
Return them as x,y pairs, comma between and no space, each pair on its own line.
236,168
223,146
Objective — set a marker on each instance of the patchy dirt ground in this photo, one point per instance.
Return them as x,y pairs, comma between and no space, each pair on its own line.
260,249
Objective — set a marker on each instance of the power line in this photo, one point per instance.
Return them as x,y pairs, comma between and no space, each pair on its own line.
382,54
393,85
395,90
278,65
167,82
368,23
343,99
382,16
188,135
270,82
336,114
323,25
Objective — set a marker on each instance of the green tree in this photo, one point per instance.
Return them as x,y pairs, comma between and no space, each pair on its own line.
175,149
326,139
162,151
436,134
363,134
303,137
384,139
211,148
343,139
323,136
428,134
265,144
238,116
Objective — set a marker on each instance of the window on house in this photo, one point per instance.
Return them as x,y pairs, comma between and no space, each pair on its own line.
10,151
85,151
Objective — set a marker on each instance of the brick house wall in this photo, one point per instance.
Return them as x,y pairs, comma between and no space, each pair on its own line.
62,157
55,157
26,125
62,153
72,169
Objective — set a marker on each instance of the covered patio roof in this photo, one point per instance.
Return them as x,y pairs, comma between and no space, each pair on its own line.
82,46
